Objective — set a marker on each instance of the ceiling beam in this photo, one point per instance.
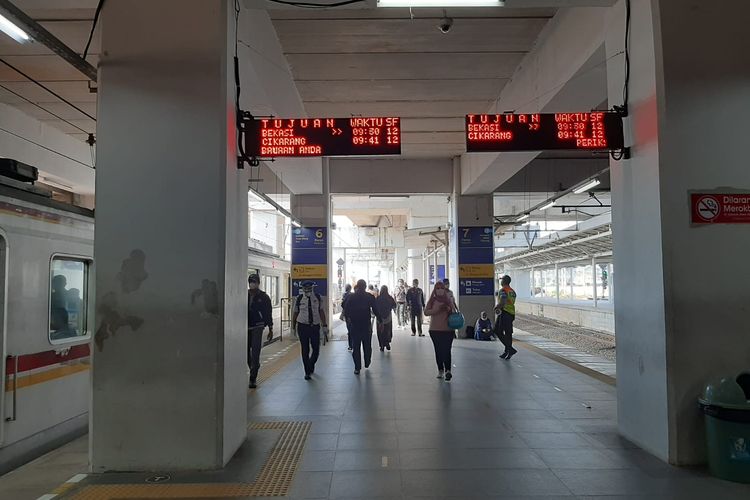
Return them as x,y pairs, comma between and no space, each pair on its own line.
41,35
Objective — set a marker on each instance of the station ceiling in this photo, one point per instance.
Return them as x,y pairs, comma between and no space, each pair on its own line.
70,21
390,62
351,61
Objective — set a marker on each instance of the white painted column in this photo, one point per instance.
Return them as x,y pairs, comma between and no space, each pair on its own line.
678,326
169,363
474,216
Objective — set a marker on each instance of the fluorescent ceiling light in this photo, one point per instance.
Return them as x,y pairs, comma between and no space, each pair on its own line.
587,186
296,223
523,217
548,205
13,31
389,196
441,3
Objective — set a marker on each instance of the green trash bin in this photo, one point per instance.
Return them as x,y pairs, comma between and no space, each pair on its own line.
726,406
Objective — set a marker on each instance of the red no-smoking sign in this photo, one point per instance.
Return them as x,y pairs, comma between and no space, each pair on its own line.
720,208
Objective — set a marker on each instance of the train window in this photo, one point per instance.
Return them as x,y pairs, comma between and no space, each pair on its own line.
271,287
68,299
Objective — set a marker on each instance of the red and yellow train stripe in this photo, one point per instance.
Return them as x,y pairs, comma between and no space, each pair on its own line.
45,366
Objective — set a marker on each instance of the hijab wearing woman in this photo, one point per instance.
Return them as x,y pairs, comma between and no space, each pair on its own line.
385,305
439,307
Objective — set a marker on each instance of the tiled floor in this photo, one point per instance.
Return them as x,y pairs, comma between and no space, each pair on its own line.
528,428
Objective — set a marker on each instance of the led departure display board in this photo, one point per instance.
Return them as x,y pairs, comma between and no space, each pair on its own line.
594,131
304,137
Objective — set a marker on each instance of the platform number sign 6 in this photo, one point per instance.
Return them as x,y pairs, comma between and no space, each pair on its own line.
319,233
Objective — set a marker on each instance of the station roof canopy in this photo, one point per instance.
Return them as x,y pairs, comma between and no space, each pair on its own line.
583,245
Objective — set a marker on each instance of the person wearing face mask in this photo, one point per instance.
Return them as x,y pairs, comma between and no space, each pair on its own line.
449,292
308,318
259,315
439,307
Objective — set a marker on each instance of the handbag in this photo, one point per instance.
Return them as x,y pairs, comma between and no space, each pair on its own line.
456,320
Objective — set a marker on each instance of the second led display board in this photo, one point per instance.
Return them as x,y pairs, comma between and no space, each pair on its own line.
594,131
295,137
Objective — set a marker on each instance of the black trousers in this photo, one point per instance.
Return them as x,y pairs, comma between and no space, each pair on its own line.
443,342
361,344
309,336
385,334
416,316
254,344
504,330
349,332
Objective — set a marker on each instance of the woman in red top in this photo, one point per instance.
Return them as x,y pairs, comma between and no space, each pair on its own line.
439,307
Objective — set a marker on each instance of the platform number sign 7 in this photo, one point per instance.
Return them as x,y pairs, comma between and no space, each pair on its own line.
467,230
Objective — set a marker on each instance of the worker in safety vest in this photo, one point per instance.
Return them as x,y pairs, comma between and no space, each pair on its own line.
506,311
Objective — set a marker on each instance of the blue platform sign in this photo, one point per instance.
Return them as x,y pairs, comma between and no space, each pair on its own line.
310,258
476,266
440,273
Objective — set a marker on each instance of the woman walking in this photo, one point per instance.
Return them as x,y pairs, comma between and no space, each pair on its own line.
439,307
385,305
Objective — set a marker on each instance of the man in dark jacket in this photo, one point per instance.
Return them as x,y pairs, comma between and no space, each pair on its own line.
359,309
415,298
259,316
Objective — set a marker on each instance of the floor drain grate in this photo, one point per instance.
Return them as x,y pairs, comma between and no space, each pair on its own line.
274,480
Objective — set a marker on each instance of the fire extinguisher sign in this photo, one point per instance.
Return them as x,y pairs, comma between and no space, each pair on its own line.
720,208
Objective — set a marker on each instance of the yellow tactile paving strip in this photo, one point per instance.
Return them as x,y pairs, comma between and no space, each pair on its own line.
274,479
271,368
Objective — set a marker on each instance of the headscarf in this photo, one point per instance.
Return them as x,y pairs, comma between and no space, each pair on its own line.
445,299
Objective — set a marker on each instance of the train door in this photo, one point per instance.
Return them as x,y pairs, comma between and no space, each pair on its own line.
3,341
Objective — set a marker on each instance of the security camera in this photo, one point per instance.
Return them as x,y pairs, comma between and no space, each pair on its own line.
445,25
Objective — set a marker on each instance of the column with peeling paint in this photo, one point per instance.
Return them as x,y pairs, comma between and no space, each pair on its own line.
169,364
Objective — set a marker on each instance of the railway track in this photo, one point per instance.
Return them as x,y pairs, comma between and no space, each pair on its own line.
591,341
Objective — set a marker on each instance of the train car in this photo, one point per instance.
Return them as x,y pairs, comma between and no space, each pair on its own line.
46,292
274,274
47,314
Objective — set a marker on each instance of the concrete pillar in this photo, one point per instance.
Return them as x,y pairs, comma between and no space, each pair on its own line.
678,326
311,243
169,362
474,241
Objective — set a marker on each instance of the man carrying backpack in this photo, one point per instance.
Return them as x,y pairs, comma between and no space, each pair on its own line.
259,315
308,317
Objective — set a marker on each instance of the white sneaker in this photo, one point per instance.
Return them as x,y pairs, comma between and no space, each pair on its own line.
440,374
